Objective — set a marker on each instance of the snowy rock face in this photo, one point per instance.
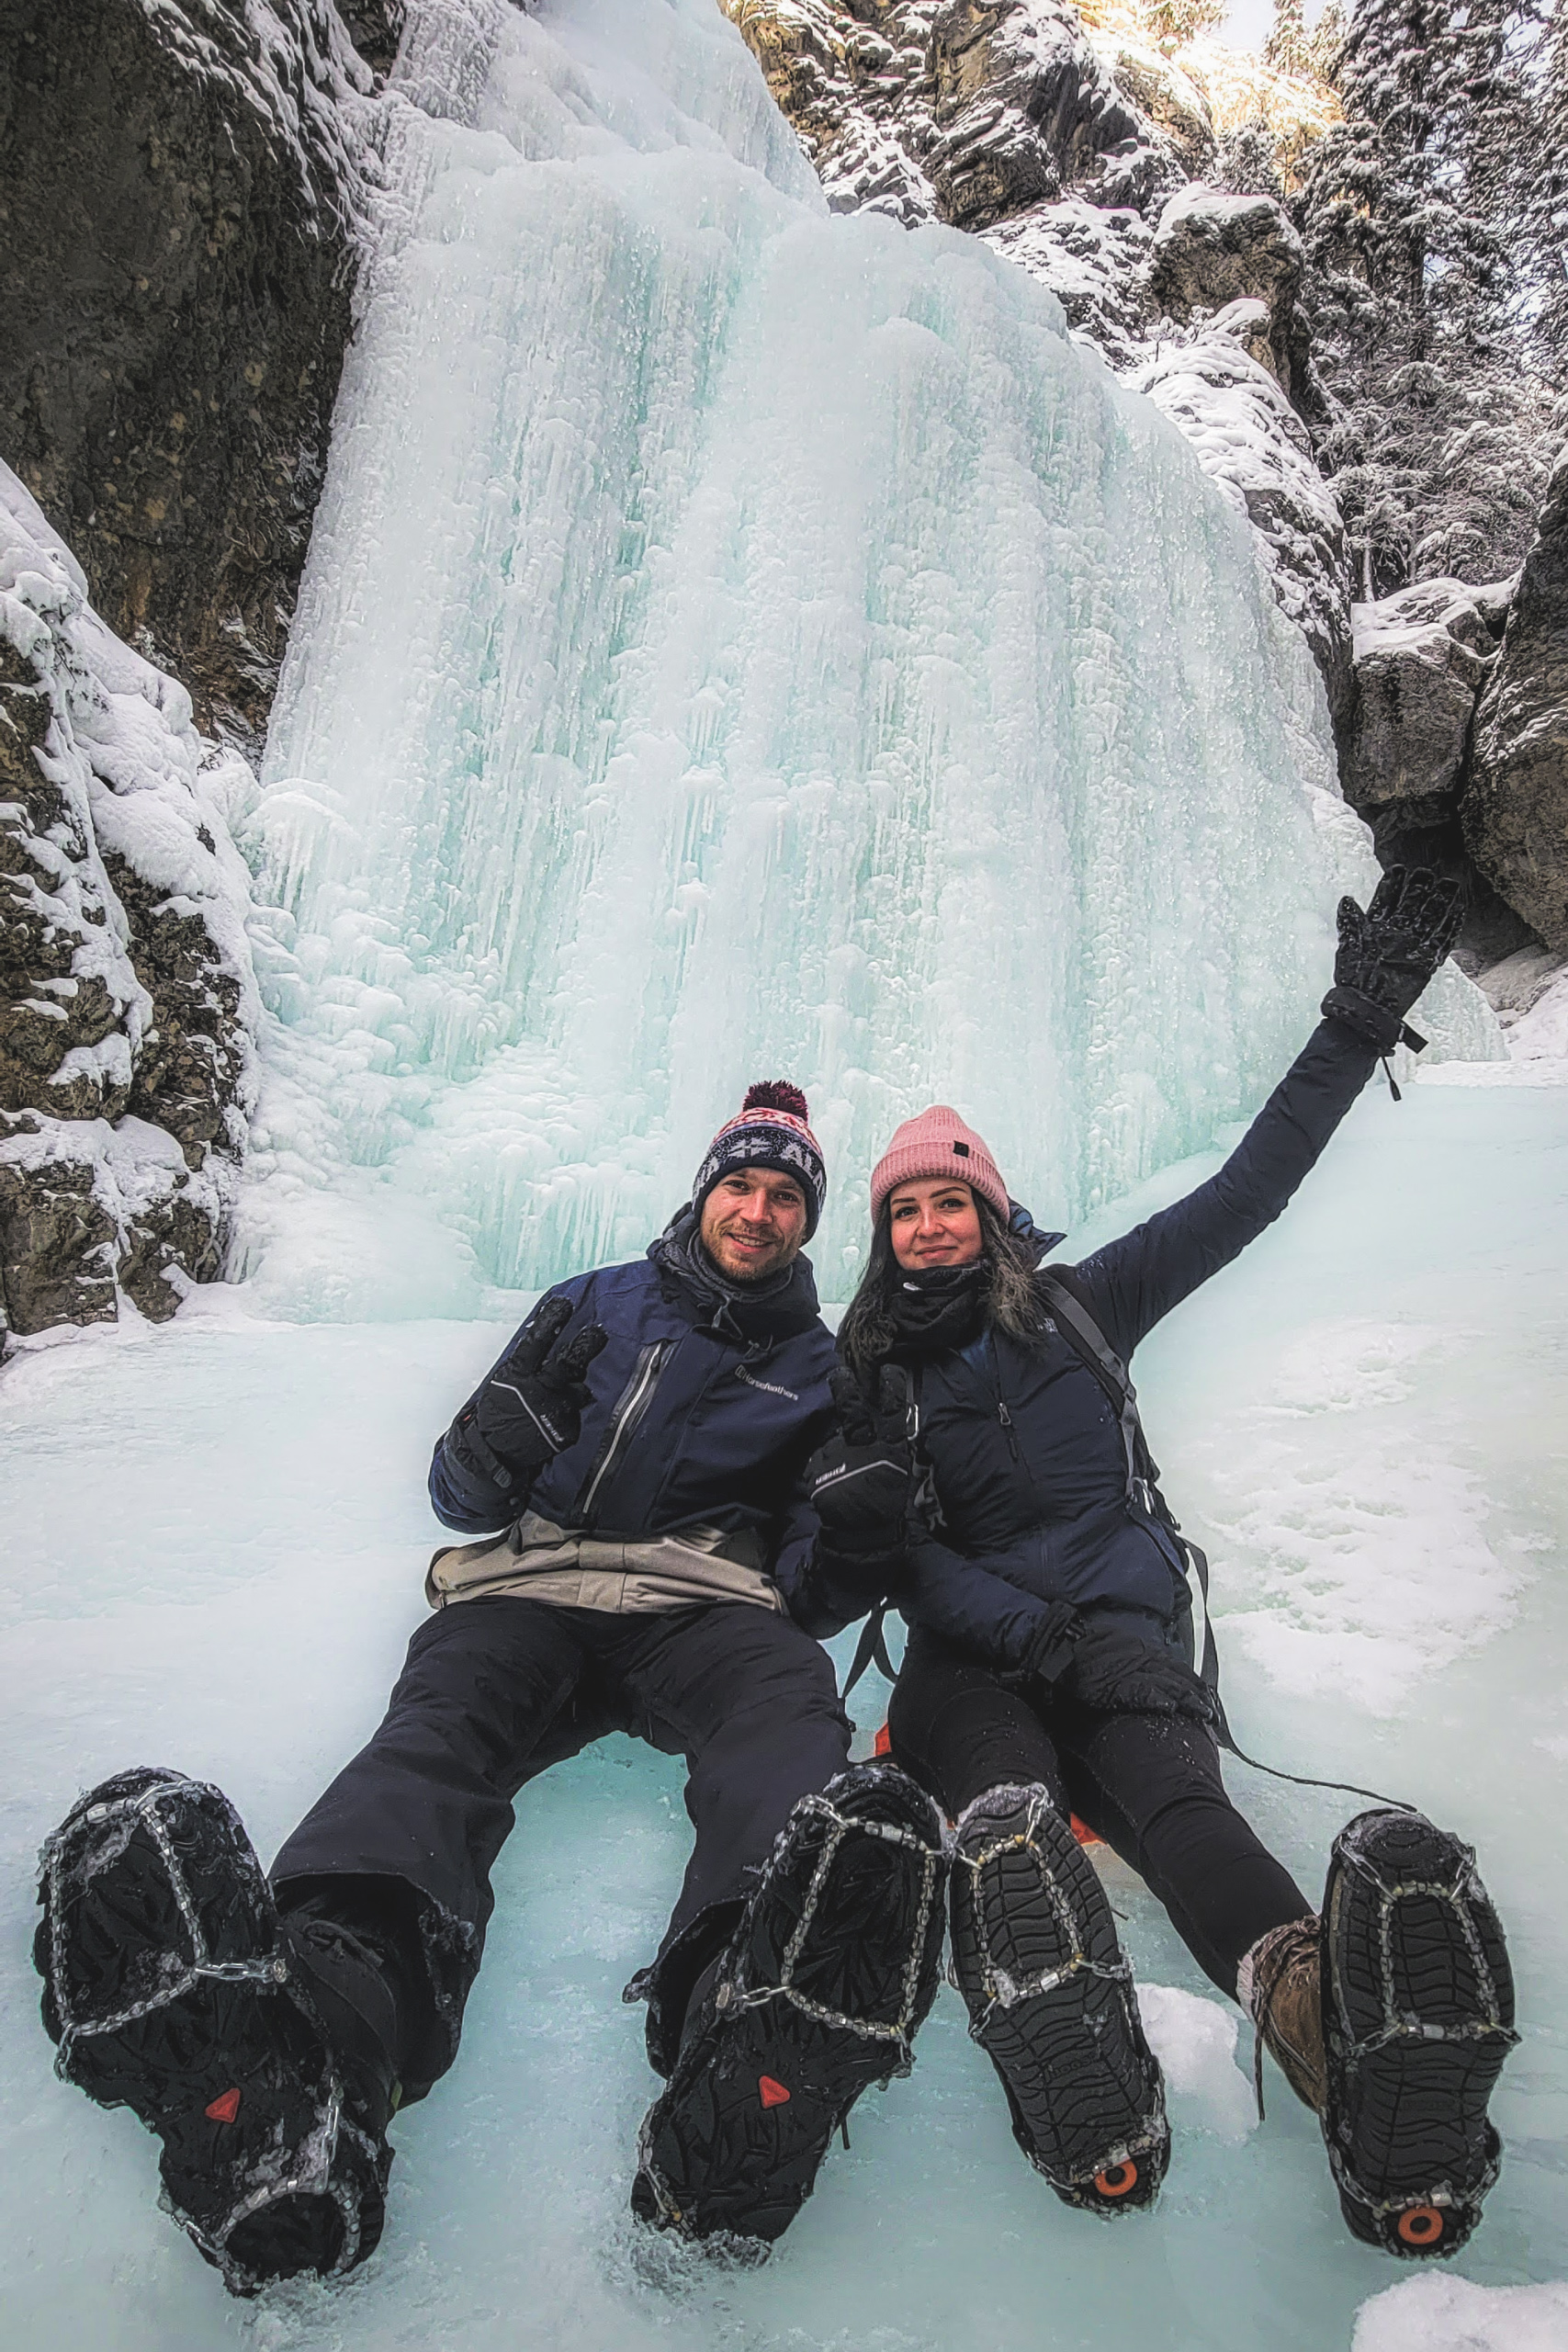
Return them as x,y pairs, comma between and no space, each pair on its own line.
127,1004
964,112
1225,399
1211,249
1421,659
182,184
1516,809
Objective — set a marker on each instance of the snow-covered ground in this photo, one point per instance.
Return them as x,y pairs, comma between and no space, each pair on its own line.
216,1537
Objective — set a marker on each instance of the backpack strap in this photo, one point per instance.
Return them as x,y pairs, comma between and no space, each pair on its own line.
1065,1295
872,1648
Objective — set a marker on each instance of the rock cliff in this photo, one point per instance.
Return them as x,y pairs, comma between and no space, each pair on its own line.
1515,806
184,185
127,1001
180,184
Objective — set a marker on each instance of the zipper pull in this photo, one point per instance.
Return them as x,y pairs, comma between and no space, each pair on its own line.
1006,1420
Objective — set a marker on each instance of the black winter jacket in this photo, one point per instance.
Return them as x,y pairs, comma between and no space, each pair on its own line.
1025,1451
701,1415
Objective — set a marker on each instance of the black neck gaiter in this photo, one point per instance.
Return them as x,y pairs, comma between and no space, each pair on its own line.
772,1308
941,1308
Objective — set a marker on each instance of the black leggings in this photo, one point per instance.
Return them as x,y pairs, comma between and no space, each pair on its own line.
1148,1785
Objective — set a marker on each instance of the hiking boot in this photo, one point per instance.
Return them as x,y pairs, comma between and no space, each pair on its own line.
1419,2018
817,1994
1279,1985
1051,2001
169,1989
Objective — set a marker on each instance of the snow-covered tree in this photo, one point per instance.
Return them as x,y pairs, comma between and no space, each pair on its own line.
1289,46
1412,219
1174,23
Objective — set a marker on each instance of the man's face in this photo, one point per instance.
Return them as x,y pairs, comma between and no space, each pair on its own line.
753,1223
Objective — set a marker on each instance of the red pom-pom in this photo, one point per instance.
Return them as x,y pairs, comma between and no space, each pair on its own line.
775,1094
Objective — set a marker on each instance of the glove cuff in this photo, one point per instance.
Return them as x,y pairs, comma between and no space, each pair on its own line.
470,1448
844,1559
1371,1023
1051,1647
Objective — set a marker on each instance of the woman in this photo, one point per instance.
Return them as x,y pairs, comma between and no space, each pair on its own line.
1047,1667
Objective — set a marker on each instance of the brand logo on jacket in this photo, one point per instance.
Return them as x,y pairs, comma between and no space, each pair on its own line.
772,1389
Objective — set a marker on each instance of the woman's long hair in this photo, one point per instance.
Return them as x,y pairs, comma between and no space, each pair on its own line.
869,1327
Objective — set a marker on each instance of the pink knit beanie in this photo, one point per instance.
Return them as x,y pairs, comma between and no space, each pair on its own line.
938,1144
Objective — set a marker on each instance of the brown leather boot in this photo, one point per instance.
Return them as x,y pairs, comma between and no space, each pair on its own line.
1279,1986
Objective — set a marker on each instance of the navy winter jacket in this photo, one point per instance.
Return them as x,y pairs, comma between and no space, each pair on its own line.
1026,1452
693,1422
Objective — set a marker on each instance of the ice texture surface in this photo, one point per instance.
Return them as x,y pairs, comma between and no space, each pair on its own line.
738,640
216,1540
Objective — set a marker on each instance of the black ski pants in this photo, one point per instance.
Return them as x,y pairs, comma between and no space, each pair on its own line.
495,1691
1149,1785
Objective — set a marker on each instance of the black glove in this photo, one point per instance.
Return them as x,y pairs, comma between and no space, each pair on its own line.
1388,954
531,1406
1117,1671
1049,1658
860,1482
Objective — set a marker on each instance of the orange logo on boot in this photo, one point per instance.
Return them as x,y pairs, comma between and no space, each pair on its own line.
225,2107
772,2094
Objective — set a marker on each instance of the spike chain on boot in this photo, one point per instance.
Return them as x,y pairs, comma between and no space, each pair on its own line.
311,2168
1409,2144
1057,2063
767,2071
270,1970
872,2029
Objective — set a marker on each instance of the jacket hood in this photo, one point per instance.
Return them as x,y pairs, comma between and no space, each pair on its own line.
1021,1223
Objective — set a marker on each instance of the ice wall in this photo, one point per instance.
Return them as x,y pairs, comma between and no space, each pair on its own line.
739,641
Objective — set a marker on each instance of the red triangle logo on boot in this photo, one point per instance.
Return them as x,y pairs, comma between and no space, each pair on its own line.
772,2094
225,2107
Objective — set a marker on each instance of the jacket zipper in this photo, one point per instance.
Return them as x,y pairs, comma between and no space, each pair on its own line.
1006,1420
633,1404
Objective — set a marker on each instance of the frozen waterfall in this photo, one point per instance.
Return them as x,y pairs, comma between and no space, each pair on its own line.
738,640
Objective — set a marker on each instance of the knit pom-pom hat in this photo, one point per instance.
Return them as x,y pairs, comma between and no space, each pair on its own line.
771,1132
938,1144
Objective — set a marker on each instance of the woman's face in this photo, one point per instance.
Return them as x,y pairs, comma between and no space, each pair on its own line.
934,1222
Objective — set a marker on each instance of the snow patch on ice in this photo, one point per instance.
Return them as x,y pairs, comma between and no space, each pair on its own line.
1371,1560
1195,2040
1438,2313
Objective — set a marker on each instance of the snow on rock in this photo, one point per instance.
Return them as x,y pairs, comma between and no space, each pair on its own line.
1420,659
1440,2313
127,1001
1516,802
291,64
1529,992
1095,261
1212,249
956,111
1250,441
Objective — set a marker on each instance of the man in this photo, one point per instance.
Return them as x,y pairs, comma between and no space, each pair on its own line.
643,1442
